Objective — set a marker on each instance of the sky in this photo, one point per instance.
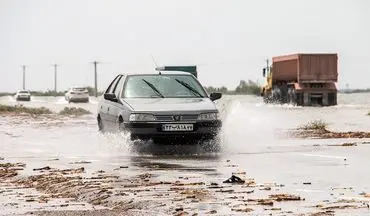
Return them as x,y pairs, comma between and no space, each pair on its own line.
228,40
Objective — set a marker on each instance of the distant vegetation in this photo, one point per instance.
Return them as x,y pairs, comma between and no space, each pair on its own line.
351,91
368,113
6,94
22,109
244,88
46,93
74,111
18,109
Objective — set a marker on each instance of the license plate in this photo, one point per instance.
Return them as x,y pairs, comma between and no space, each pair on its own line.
177,127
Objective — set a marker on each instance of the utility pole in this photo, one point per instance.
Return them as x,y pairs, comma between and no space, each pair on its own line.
96,77
55,79
267,65
24,77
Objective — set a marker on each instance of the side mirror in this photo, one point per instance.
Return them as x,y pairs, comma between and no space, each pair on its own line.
110,97
215,96
264,72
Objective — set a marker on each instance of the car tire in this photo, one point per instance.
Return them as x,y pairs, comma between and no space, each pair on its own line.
100,125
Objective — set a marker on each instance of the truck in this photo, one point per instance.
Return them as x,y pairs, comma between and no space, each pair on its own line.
302,79
189,69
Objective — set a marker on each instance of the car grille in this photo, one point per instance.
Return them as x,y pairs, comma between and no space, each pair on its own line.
171,117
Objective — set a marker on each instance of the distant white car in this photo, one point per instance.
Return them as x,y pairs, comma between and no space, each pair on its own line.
23,95
77,94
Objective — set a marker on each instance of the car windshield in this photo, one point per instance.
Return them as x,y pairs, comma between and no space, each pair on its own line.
23,92
163,86
79,89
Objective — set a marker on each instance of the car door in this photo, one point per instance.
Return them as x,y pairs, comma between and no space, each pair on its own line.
116,107
104,106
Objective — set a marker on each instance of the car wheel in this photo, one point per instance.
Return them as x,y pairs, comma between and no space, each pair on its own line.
100,125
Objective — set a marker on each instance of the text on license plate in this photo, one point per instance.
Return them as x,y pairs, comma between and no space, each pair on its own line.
177,127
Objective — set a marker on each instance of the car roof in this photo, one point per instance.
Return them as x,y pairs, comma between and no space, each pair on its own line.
157,73
78,87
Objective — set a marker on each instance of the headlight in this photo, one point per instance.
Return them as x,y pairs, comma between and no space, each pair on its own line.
142,117
208,116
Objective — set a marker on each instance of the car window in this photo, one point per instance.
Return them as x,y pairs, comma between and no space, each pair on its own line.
112,84
79,89
169,86
23,92
119,86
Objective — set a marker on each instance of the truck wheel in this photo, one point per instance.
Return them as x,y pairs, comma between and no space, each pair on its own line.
291,98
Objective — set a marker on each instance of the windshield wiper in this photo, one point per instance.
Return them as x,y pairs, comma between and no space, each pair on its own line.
154,88
186,85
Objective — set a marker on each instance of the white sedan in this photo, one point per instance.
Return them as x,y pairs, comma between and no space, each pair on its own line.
77,94
23,95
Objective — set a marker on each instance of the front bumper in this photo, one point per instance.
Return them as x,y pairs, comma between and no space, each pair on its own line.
23,98
79,98
153,130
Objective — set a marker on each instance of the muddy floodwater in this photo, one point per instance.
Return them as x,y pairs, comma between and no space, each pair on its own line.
64,166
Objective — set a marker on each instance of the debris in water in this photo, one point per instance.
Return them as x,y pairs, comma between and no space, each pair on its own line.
225,191
212,212
367,195
323,213
232,165
333,207
179,209
344,144
80,162
266,188
178,183
243,210
285,197
239,173
234,179
306,183
42,168
273,209
268,202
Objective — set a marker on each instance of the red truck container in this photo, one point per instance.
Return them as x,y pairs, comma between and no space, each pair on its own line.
306,68
303,78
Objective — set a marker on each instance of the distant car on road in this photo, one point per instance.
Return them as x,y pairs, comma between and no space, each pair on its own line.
166,106
23,95
77,94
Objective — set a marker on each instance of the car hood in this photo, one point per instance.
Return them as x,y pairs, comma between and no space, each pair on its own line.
170,104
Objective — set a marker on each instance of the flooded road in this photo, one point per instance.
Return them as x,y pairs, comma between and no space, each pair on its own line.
178,179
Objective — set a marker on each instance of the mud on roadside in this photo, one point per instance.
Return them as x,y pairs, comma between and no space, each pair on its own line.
142,193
